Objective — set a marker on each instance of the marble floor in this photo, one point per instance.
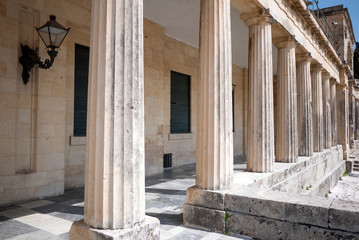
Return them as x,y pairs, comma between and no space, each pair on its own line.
51,218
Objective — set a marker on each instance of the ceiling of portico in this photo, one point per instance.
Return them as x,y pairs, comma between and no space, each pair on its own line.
180,18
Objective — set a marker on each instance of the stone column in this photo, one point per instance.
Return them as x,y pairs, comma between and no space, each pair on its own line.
305,119
327,122
286,131
114,181
317,105
333,106
260,135
214,135
343,118
351,115
356,137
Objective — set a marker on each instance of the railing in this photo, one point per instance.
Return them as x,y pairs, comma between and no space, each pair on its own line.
322,20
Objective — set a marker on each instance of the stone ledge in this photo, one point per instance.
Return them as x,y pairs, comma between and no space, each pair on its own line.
203,218
211,199
295,211
77,141
149,229
179,136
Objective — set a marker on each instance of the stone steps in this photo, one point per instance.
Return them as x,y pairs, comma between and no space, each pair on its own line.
325,183
316,172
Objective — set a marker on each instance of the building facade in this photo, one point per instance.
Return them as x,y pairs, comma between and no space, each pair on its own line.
139,85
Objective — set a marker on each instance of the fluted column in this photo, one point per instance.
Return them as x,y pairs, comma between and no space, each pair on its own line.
114,181
333,106
356,137
343,118
305,119
260,135
327,122
317,104
351,115
214,135
286,132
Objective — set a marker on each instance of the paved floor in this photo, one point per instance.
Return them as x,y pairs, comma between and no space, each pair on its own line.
51,218
347,188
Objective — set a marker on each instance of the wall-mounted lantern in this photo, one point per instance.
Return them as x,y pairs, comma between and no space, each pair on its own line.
52,34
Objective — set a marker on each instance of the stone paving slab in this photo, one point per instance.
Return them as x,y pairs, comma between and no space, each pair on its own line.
51,218
347,188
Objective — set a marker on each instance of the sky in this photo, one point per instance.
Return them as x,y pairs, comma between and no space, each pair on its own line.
353,7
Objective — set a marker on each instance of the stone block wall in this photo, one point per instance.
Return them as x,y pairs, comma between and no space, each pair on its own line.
33,116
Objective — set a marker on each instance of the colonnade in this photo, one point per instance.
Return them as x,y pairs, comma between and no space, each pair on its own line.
307,107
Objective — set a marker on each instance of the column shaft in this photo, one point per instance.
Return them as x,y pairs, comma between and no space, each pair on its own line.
351,117
327,112
260,149
333,106
114,181
356,137
305,120
343,118
318,140
286,132
214,136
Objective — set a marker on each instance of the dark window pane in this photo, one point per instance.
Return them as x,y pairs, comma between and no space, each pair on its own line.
180,102
81,84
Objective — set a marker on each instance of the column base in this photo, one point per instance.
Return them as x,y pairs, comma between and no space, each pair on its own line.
148,229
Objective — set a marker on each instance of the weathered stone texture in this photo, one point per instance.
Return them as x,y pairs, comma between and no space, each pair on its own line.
214,159
260,148
318,136
333,106
286,132
343,118
305,119
115,171
203,217
327,122
149,229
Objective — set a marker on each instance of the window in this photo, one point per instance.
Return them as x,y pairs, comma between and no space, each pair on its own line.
81,85
180,103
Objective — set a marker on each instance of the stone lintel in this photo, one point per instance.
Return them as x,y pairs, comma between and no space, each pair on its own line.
148,229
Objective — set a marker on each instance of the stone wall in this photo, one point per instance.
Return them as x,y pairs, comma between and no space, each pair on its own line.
32,119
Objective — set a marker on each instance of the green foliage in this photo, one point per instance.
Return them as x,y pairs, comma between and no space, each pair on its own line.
345,173
226,217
